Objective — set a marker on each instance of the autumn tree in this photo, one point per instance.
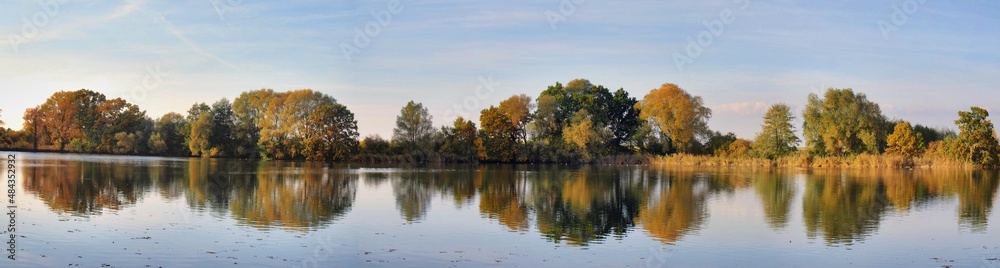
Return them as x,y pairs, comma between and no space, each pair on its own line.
32,126
118,116
679,115
581,133
977,140
86,121
304,124
413,128
777,135
904,141
843,123
59,118
737,148
329,130
250,112
461,139
518,108
499,136
200,135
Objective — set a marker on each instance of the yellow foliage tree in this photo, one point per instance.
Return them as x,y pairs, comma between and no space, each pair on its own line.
678,114
904,141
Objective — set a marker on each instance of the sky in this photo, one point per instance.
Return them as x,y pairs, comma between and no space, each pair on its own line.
921,60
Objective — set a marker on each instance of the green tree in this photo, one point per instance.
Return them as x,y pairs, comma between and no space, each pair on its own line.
461,138
413,128
169,130
374,145
933,134
977,140
777,135
623,120
545,125
329,130
677,114
904,141
499,136
843,123
250,111
223,133
201,133
118,116
649,139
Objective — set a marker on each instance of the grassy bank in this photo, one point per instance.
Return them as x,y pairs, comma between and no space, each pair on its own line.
807,161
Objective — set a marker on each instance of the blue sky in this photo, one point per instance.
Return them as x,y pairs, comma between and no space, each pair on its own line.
167,55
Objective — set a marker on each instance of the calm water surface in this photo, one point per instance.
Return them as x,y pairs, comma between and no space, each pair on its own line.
90,211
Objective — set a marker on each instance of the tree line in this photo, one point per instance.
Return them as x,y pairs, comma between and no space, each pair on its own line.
571,123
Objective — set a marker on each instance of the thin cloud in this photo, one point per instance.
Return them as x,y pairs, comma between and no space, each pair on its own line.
191,44
741,108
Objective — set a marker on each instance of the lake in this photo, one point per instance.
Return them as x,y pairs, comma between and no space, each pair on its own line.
89,211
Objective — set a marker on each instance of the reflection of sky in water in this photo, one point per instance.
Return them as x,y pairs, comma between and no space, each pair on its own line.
524,215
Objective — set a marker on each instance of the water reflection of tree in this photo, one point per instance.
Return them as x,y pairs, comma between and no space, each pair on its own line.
503,197
776,193
291,195
586,205
844,209
69,186
847,205
676,204
413,192
975,196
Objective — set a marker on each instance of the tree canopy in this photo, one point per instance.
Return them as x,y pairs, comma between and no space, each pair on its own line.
977,140
413,127
904,141
679,115
843,123
578,122
777,135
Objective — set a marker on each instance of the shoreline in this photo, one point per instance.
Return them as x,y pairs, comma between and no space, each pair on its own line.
675,160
